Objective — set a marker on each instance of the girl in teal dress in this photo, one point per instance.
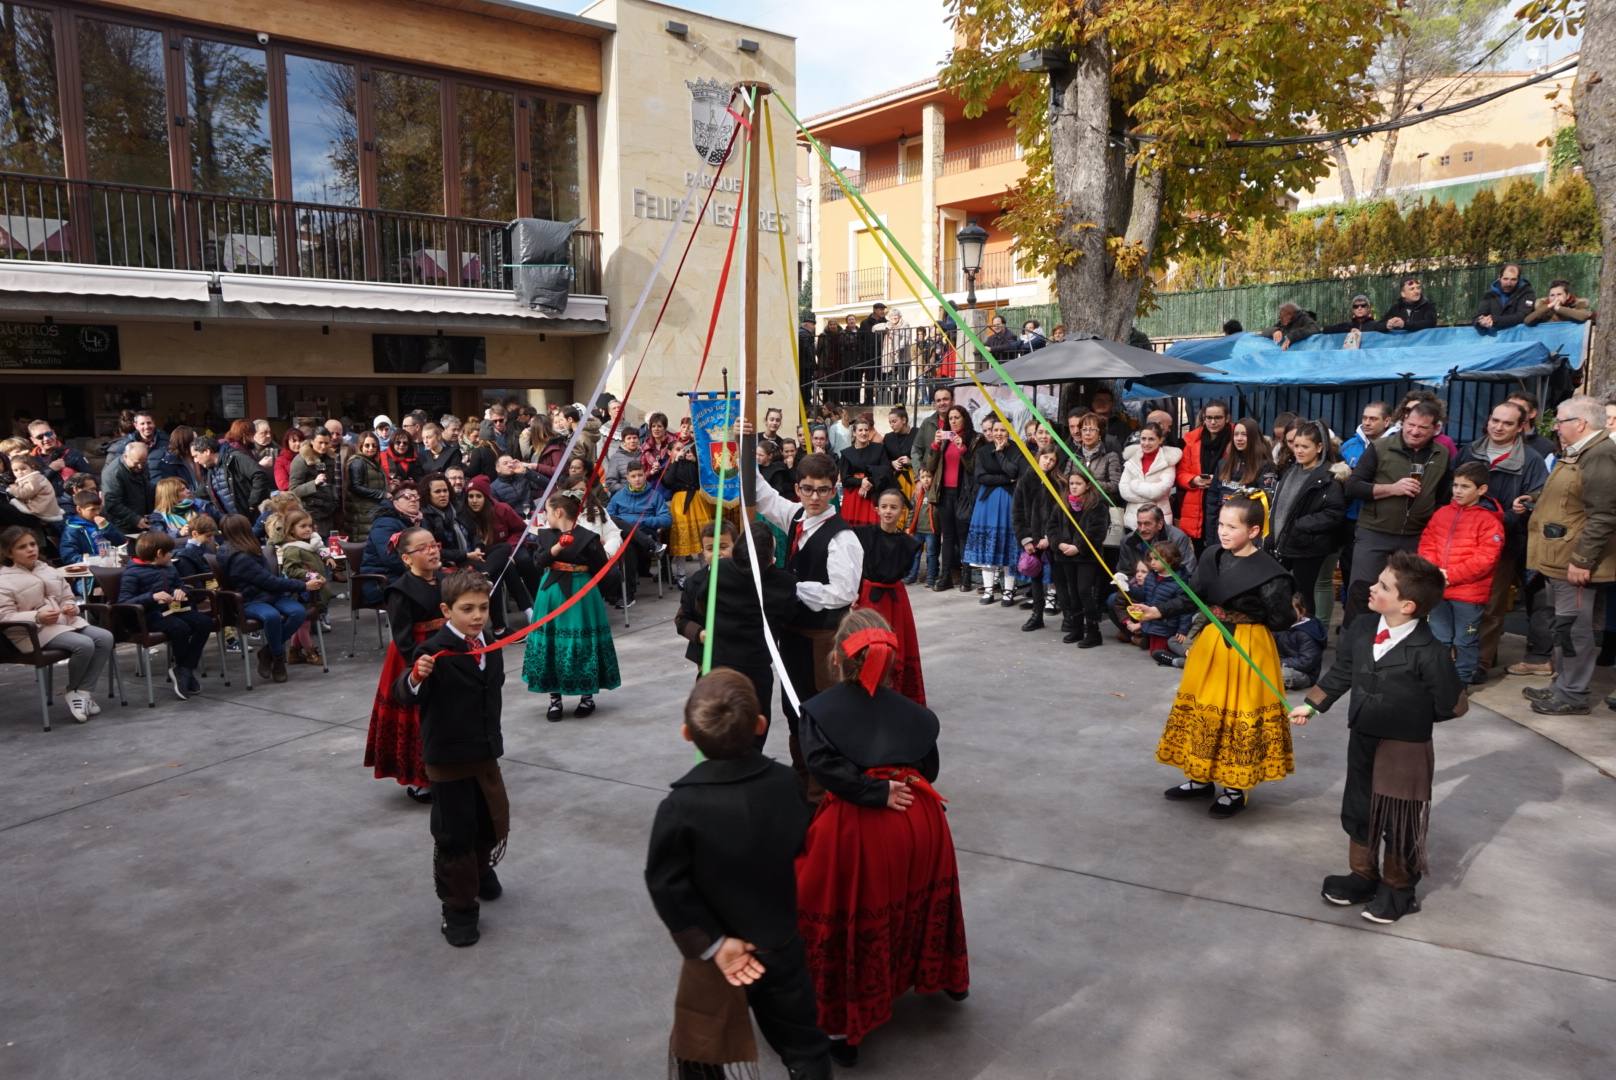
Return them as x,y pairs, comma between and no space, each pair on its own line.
572,653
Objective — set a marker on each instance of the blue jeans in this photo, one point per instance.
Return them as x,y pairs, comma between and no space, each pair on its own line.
281,618
928,551
1458,624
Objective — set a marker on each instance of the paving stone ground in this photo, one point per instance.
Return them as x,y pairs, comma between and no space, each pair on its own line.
216,888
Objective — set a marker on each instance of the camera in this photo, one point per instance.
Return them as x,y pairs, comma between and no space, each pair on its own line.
263,38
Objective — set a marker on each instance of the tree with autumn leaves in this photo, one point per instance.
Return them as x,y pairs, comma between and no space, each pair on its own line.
1126,128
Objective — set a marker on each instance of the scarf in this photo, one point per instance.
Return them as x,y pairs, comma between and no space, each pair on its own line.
1213,447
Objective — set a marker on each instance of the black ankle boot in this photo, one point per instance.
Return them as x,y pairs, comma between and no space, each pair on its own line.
1091,635
1035,621
1071,630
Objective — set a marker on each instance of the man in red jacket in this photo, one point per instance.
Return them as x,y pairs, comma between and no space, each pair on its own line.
1466,539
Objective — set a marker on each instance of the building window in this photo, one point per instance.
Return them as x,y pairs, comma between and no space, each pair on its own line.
227,117
558,146
1445,159
409,143
487,153
322,112
1470,155
125,103
30,117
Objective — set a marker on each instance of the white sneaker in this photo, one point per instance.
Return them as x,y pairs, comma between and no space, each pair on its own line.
76,705
90,703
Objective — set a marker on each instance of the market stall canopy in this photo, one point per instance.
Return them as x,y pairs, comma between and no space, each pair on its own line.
1082,358
1429,356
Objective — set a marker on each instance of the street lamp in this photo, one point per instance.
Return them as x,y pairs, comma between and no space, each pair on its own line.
971,238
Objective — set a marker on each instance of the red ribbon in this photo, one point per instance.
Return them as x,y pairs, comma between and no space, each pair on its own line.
881,646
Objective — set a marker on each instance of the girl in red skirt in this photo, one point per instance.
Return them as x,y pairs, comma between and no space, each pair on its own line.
889,552
393,745
877,887
866,472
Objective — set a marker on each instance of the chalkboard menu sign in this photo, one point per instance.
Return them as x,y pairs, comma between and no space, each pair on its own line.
27,346
429,354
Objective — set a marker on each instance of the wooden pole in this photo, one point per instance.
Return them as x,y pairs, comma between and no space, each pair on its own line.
749,310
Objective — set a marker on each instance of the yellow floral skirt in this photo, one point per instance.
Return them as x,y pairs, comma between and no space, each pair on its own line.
1225,725
693,518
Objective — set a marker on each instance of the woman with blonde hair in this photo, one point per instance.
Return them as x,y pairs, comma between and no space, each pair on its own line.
172,506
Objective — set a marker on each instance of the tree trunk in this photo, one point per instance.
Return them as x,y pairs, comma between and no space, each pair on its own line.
1100,197
1343,170
1383,173
1594,101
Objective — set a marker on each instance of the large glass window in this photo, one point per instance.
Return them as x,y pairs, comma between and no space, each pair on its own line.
322,107
409,143
487,153
30,118
125,103
227,110
559,169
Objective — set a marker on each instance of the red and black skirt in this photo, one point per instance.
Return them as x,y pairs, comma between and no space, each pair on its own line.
393,744
856,509
878,907
892,601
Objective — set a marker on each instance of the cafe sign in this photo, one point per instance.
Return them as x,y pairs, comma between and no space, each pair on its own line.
53,346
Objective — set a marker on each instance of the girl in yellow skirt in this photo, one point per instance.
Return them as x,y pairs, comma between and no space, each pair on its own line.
1226,727
692,509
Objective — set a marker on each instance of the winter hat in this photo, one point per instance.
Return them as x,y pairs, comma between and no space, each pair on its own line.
381,421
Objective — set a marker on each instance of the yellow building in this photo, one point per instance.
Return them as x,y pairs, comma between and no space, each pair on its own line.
222,209
1453,157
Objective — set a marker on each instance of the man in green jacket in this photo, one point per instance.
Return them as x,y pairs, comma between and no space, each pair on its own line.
1571,541
1402,478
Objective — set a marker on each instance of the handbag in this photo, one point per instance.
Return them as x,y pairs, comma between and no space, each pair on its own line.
1113,533
1030,565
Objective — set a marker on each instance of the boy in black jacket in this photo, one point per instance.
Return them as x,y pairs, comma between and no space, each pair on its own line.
459,696
721,871
1402,681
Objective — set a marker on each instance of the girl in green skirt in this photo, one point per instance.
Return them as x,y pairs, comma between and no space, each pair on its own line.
572,653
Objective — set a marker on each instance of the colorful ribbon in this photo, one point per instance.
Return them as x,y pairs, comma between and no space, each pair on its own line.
881,647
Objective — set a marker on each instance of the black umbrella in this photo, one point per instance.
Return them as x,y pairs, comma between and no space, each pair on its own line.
1077,359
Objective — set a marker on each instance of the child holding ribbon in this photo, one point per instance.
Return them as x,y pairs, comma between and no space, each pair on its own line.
573,652
877,885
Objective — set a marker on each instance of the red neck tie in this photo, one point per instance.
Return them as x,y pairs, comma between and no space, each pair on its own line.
1383,637
796,535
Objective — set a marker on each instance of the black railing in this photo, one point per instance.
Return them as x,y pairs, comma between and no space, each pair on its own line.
901,367
126,225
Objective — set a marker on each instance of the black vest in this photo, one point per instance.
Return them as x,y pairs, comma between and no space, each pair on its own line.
811,562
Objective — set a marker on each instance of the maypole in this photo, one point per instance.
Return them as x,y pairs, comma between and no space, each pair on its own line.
756,92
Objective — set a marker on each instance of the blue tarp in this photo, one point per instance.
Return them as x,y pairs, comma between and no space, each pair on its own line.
1426,355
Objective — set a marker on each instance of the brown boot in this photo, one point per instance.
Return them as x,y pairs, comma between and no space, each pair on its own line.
278,669
312,656
266,661
1357,887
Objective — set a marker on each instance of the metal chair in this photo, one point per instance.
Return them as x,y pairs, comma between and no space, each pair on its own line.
37,656
128,626
357,581
232,612
207,583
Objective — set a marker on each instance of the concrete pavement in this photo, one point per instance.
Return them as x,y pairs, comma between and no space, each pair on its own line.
216,888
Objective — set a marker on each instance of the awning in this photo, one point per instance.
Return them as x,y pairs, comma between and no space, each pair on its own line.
79,279
264,289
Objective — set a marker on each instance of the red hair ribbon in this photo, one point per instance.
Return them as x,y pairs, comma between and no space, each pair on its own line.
883,648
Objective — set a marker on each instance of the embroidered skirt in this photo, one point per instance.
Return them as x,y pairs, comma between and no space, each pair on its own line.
878,907
572,653
892,601
393,743
991,539
1225,726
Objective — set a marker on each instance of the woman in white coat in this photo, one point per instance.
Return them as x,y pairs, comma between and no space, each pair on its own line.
35,593
1148,468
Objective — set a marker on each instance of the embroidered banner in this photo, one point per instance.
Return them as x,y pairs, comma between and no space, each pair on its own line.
717,420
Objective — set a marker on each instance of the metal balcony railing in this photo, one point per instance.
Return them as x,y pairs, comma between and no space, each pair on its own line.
998,271
965,158
126,225
855,286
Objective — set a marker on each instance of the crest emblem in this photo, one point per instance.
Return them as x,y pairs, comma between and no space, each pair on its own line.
710,121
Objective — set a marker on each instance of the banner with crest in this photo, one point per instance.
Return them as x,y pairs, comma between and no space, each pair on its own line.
716,417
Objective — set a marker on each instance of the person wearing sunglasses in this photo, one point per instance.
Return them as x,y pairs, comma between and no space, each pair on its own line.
58,461
1361,318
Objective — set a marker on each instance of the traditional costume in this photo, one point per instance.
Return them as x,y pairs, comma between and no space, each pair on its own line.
990,542
887,559
722,863
572,653
1402,681
877,889
827,560
857,465
393,744
1226,727
900,444
459,706
739,628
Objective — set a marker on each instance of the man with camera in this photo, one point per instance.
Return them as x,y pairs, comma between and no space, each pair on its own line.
1571,541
